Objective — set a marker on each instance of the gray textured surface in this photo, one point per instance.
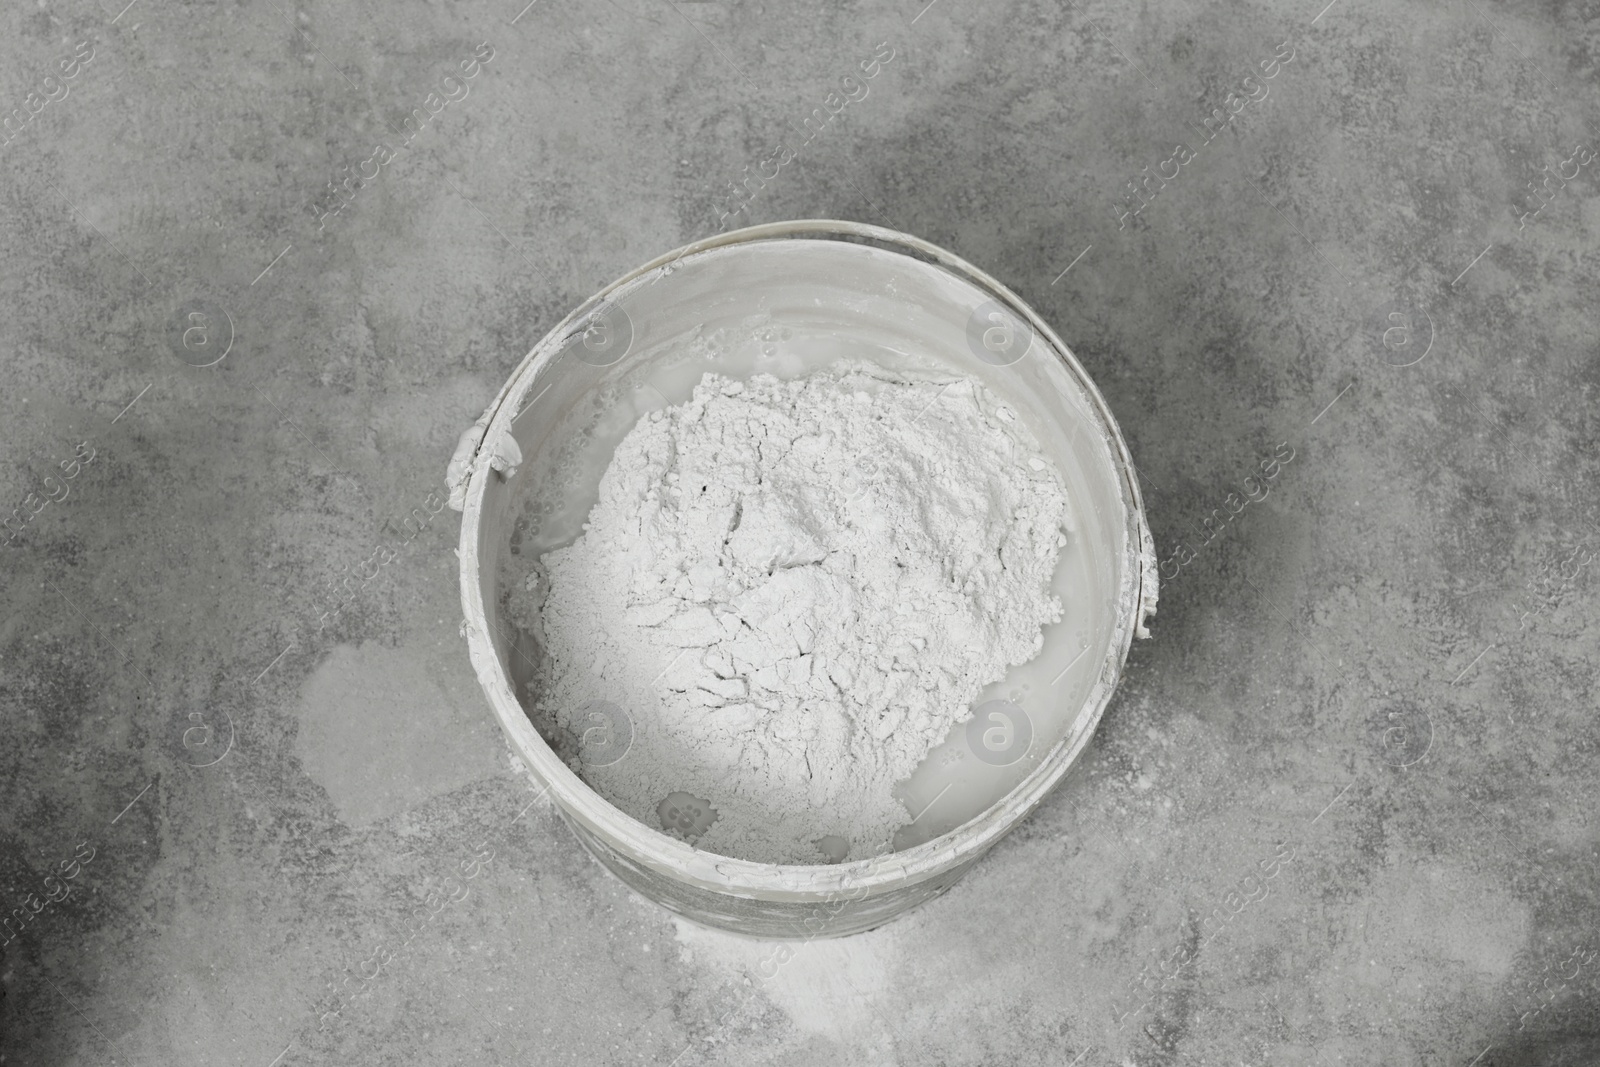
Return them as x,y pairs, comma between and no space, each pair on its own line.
1405,571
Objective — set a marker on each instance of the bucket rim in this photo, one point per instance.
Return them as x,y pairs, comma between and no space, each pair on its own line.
676,859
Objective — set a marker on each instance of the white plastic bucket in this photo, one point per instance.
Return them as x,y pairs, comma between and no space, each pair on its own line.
886,287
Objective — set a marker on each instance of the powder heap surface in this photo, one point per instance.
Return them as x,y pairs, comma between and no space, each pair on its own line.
794,590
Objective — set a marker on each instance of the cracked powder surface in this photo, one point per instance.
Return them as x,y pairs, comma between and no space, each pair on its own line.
794,590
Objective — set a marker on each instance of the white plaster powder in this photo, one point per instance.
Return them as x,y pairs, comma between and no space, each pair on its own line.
795,589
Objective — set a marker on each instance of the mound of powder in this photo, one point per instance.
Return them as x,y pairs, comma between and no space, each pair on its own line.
794,590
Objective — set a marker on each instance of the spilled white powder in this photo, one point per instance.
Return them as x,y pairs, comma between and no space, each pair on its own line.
794,589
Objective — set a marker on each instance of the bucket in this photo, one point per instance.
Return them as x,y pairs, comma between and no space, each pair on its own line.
746,295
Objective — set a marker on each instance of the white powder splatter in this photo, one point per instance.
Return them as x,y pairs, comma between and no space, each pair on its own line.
795,589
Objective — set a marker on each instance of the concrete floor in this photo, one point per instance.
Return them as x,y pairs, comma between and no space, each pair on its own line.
1379,683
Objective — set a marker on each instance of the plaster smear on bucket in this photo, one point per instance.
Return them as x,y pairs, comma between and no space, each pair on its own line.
796,589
